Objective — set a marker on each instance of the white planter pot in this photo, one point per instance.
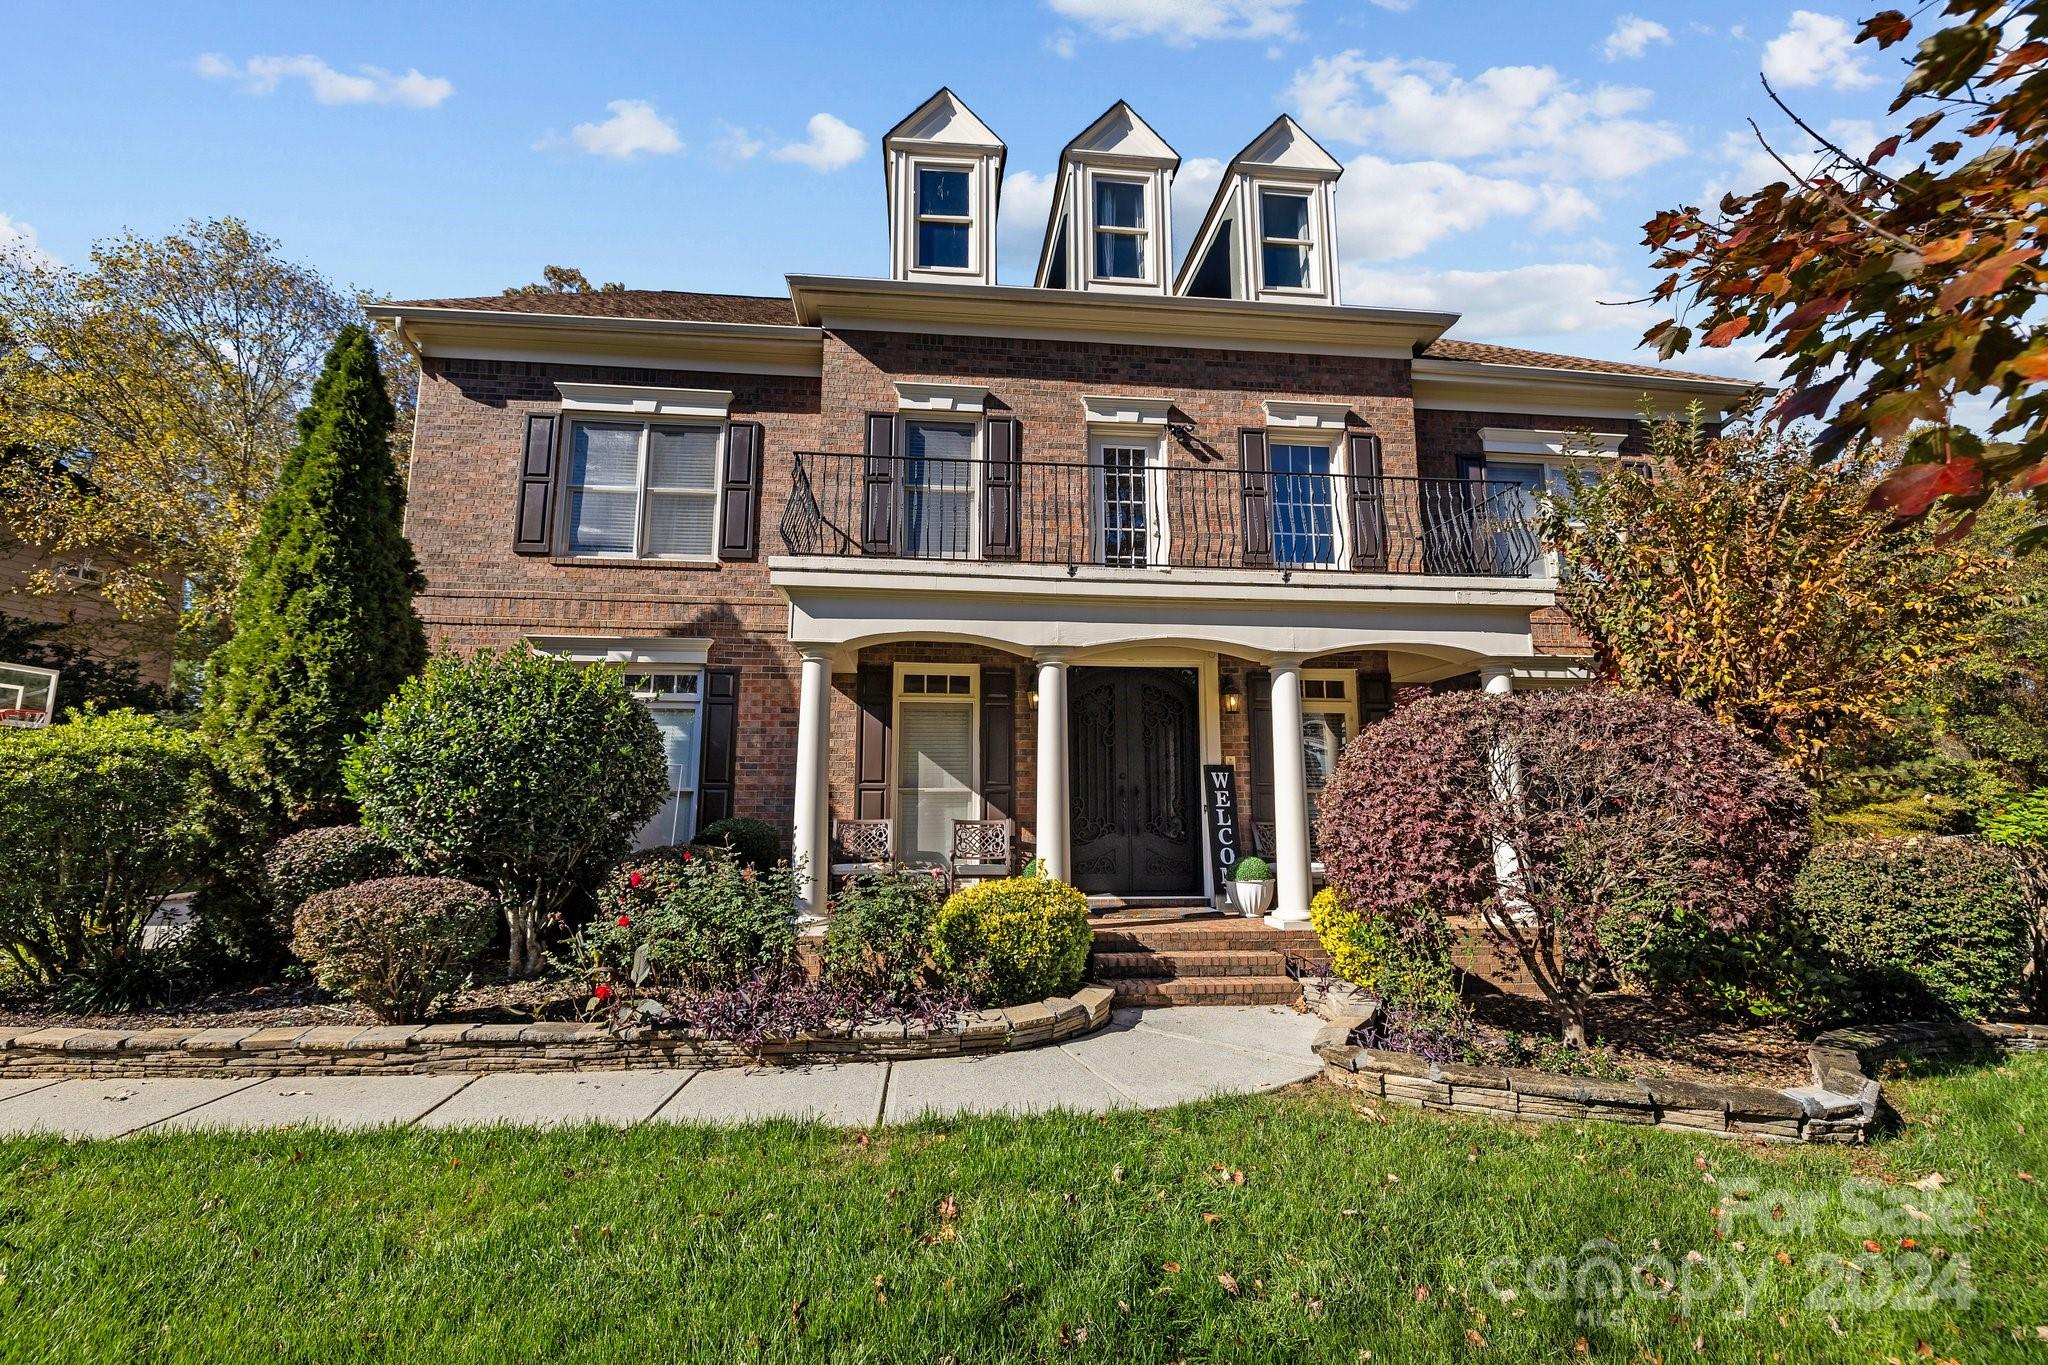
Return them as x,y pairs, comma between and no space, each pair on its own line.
1252,898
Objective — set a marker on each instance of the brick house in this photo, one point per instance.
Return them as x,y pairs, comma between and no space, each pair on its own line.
887,554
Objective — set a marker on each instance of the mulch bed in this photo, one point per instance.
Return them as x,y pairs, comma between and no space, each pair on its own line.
302,1003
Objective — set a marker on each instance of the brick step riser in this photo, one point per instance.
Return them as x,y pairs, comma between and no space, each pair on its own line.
1239,990
1184,966
1192,941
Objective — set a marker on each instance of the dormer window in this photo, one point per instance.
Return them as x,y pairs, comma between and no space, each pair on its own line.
945,217
1120,231
1284,242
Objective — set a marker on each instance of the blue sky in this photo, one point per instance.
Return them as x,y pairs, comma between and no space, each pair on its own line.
1500,157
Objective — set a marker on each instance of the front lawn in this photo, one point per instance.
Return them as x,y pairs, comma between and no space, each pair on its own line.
1282,1228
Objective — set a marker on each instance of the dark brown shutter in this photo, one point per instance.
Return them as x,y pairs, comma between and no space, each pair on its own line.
739,511
1375,698
1368,503
720,745
534,520
1257,501
878,488
999,743
876,686
1002,490
1258,710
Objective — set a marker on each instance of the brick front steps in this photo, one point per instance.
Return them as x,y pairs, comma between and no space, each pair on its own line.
1162,957
454,1049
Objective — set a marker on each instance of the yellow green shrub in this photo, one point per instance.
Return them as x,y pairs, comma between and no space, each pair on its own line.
1013,941
1356,945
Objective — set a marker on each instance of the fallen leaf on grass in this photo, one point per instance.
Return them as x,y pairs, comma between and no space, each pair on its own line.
1421,1292
1229,1283
1933,1180
1171,1267
1211,1217
1473,1339
2027,1176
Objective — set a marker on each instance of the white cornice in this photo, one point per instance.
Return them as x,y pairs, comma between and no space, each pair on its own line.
1477,386
491,334
850,304
922,397
652,402
624,649
1522,441
1298,412
1101,410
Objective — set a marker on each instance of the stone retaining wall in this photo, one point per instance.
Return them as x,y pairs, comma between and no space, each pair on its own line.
441,1049
1842,1105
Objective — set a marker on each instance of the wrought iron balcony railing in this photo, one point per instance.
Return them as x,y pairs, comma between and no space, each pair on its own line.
1130,515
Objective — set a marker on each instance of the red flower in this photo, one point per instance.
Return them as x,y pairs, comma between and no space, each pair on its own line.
603,992
633,879
625,921
686,855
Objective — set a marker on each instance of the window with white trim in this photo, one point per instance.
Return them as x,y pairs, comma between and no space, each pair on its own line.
1329,717
1122,235
938,489
1285,240
672,698
642,490
1130,500
1304,477
944,217
938,749
79,574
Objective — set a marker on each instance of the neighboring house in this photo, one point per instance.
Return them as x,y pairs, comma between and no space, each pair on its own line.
78,617
928,548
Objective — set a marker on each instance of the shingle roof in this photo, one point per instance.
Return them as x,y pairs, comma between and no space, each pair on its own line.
1485,353
666,305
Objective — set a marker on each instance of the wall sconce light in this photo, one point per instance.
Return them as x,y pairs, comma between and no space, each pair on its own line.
1232,698
1032,697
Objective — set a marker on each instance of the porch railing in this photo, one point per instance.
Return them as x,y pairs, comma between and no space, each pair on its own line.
1136,516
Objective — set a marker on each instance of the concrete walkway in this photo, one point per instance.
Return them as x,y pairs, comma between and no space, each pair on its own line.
1142,1059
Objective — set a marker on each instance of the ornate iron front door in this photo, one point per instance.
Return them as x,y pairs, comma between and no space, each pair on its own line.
1136,827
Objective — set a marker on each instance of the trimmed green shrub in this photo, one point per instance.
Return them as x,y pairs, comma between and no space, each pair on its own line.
304,864
880,934
1355,943
324,626
99,821
523,773
1777,971
1013,941
398,946
755,843
2022,824
1251,870
1921,921
1408,967
703,922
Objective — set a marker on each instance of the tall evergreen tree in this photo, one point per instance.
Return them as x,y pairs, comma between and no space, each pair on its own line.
324,627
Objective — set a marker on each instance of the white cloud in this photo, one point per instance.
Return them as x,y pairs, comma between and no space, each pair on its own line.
1181,22
1530,301
1632,37
1389,210
1816,49
1061,44
370,84
833,144
1747,167
635,128
1531,120
19,239
736,144
1194,187
1397,6
1020,224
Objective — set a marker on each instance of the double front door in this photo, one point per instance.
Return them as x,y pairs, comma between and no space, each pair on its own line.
1132,754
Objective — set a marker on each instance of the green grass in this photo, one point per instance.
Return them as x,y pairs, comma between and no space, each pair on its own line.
1066,1239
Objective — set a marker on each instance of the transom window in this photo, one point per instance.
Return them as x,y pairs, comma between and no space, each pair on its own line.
1283,240
938,489
1304,504
937,748
672,698
643,489
1120,229
945,219
937,685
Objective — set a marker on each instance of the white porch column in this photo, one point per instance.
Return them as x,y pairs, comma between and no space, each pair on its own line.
810,844
1290,798
1498,680
1055,852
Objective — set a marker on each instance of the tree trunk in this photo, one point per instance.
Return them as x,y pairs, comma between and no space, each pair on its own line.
1571,1012
522,933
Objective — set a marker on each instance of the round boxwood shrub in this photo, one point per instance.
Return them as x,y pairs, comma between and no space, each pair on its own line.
880,935
1013,941
304,864
1922,921
397,946
1251,869
754,843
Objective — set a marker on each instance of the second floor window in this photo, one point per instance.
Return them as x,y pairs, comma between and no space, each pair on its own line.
643,489
1304,506
938,490
1283,240
944,218
1119,230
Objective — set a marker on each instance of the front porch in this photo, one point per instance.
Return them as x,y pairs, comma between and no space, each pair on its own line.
1094,710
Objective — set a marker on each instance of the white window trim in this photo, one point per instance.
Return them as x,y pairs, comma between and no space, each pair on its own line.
1107,410
678,653
1555,445
1147,235
972,698
693,764
968,400
565,529
1158,528
1299,414
1340,489
1312,285
977,453
631,400
972,168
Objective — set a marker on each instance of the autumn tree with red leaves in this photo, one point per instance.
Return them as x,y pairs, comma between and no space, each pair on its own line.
1906,289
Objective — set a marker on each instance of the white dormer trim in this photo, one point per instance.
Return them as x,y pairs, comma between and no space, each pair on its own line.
1554,444
1118,147
641,401
968,399
1283,159
943,134
1104,411
1302,413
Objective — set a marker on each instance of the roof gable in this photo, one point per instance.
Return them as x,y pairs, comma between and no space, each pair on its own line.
945,119
1121,134
1286,146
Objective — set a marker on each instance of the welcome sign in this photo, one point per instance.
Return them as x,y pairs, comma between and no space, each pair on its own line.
1219,811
